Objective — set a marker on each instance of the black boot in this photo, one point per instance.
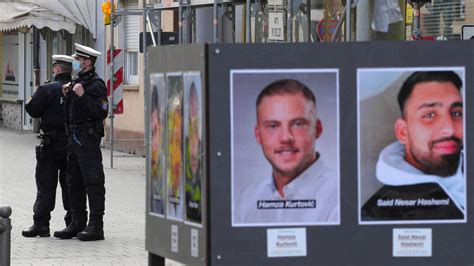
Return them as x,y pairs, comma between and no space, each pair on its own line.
68,218
71,231
91,233
36,230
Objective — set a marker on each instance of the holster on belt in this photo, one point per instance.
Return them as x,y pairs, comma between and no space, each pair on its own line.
47,137
91,128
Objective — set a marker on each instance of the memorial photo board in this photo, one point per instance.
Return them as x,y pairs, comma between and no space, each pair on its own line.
369,78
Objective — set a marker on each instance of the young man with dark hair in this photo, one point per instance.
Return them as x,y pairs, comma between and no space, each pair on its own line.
300,189
422,172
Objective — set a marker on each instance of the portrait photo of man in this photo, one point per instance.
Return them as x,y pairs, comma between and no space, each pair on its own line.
157,158
284,172
413,171
174,166
193,146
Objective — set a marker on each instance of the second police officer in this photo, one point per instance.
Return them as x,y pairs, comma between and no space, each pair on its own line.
86,107
47,104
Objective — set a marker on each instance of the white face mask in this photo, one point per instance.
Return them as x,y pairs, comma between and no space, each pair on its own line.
76,65
76,68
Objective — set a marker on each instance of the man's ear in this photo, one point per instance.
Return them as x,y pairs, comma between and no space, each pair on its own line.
319,128
401,132
257,135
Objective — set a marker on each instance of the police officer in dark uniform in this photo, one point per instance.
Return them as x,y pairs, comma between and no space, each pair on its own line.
86,107
47,104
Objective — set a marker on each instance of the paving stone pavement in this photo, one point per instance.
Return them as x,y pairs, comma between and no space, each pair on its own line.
124,220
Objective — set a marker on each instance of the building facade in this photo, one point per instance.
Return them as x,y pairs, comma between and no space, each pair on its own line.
30,33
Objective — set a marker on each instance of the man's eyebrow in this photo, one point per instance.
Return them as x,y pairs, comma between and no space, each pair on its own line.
429,105
439,104
302,118
270,121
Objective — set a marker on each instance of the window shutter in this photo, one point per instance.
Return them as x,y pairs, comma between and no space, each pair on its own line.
132,28
443,18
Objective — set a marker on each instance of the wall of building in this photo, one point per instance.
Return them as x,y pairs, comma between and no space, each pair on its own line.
129,127
128,130
11,113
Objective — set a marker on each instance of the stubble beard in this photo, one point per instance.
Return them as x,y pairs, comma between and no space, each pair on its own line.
293,173
446,165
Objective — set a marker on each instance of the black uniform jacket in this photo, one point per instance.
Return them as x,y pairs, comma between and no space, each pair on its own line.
92,107
46,103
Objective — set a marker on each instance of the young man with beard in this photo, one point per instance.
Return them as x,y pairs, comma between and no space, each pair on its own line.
422,172
301,189
193,165
157,173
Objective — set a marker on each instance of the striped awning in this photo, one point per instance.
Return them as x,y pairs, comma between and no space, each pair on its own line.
53,14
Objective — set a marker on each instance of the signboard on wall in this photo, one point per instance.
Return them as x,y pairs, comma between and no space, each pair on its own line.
276,26
275,2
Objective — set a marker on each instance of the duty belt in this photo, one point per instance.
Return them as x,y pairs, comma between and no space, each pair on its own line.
80,126
73,132
54,132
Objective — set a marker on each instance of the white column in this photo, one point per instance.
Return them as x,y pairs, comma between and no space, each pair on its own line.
364,20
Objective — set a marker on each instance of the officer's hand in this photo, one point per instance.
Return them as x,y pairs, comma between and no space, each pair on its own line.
66,88
78,89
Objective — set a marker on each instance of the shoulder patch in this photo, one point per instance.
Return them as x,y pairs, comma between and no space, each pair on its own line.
105,105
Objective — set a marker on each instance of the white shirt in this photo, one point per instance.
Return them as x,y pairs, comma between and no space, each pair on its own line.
311,198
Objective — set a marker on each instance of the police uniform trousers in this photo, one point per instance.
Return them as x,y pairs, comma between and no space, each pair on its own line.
51,164
85,175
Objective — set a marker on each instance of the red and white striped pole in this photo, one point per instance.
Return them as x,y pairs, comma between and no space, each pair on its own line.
118,80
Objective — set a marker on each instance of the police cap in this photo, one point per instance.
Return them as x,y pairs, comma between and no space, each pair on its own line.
85,51
62,59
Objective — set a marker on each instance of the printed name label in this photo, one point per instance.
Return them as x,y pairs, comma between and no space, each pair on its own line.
286,204
194,242
286,242
174,238
412,242
412,202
